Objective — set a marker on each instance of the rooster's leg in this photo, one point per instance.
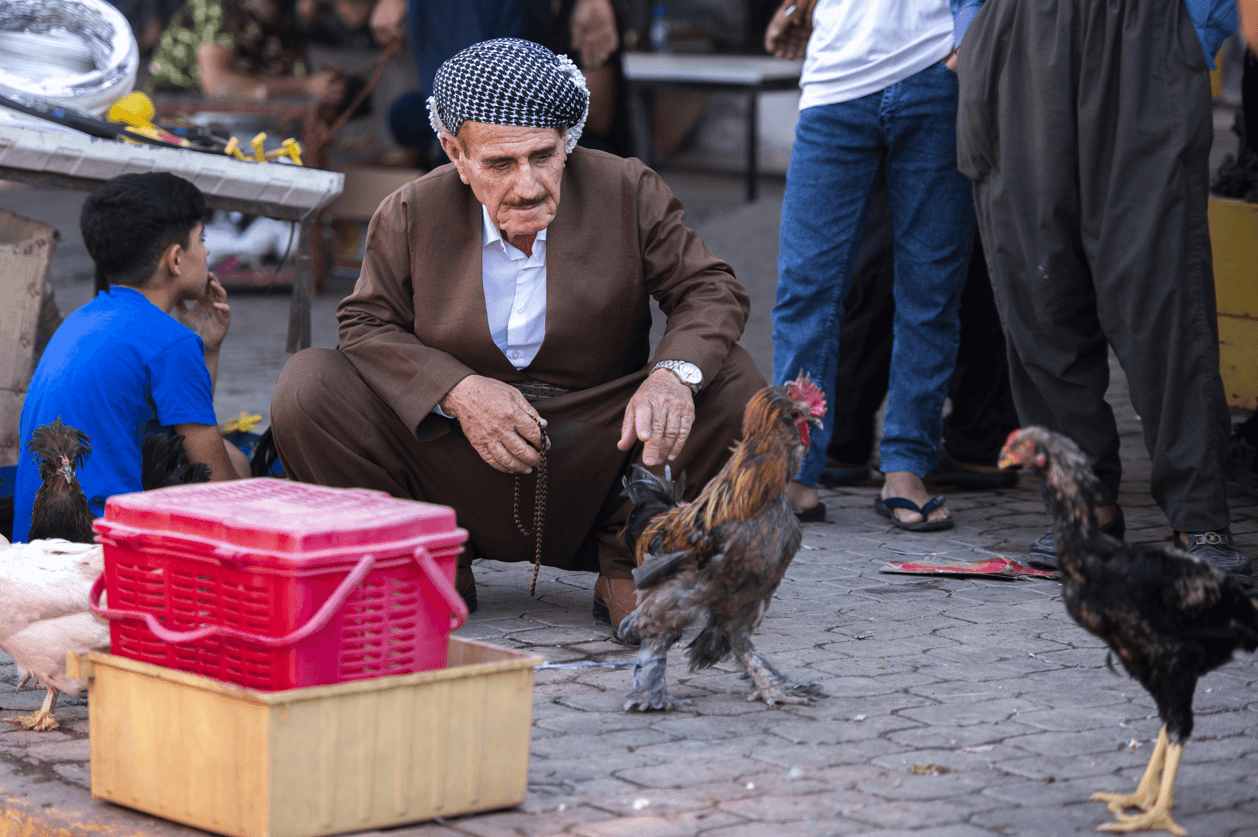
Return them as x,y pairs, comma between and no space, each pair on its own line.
1147,791
1159,816
648,676
41,721
771,686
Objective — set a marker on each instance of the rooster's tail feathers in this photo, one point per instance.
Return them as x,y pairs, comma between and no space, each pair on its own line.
651,496
708,648
656,568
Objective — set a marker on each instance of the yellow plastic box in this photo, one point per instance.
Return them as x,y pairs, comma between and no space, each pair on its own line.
1234,241
307,762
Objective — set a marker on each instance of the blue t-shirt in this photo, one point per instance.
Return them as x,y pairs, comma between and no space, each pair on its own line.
115,368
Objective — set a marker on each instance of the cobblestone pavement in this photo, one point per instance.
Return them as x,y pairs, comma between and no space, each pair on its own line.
956,707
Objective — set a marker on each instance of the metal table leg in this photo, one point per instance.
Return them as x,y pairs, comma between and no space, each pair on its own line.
299,309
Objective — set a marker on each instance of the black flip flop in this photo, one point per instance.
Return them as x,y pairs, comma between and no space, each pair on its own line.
884,508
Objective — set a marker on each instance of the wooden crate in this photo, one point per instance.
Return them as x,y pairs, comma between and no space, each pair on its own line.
324,760
1234,241
26,249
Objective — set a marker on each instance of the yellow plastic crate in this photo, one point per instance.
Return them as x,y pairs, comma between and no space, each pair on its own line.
307,762
1234,240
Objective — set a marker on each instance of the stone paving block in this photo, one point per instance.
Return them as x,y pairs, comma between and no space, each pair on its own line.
1030,821
635,827
838,731
809,756
1074,743
977,738
782,808
905,785
1074,719
519,824
952,759
78,750
671,775
1054,766
665,802
963,713
577,746
922,814
818,828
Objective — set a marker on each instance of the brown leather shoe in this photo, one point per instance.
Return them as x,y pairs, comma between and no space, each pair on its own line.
465,586
614,599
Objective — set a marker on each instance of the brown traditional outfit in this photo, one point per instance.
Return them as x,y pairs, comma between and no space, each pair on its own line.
416,325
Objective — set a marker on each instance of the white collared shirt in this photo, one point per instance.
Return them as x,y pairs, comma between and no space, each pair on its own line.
515,293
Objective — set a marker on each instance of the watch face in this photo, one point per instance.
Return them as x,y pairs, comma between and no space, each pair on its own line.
689,373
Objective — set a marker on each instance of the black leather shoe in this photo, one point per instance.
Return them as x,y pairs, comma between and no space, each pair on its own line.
1218,549
1044,546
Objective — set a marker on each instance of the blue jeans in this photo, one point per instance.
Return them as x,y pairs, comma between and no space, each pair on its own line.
910,128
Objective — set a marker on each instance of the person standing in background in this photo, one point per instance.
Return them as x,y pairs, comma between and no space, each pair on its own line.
879,90
1092,203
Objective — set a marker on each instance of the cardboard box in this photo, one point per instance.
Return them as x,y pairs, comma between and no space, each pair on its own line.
26,249
308,762
1234,240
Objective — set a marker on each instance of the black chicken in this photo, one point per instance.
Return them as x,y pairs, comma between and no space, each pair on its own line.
718,560
1169,617
60,508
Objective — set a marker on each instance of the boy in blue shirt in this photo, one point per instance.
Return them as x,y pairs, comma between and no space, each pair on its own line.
137,358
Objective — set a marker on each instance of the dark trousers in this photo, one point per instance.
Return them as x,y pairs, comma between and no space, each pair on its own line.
331,428
982,406
1086,128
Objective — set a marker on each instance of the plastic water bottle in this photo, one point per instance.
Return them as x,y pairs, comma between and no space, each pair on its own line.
660,27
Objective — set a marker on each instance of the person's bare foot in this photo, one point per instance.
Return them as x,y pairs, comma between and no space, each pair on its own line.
802,496
909,485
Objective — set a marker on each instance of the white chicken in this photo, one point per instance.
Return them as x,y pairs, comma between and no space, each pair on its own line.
44,614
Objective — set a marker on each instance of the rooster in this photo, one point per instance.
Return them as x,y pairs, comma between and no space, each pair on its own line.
44,583
719,559
60,509
1168,616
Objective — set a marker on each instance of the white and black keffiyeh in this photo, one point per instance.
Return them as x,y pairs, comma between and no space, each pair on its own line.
509,81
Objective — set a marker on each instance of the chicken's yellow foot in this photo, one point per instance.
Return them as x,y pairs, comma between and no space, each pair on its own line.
1146,794
41,721
1159,816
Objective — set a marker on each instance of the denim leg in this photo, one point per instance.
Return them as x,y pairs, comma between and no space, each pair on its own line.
836,155
933,214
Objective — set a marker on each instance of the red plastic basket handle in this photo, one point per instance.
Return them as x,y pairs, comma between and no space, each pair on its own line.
321,617
458,608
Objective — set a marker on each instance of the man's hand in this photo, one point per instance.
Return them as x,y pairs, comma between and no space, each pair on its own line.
789,29
594,33
661,414
951,61
388,21
500,424
210,316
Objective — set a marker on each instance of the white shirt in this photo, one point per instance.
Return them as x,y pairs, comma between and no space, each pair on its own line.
859,47
515,293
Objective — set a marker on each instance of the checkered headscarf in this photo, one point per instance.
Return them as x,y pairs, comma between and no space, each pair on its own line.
509,81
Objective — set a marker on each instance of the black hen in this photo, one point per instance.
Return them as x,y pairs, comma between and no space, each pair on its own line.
60,510
1169,617
163,462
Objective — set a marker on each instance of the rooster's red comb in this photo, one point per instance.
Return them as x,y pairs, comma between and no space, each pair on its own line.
803,389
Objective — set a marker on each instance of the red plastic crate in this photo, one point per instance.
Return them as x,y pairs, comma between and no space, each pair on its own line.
273,584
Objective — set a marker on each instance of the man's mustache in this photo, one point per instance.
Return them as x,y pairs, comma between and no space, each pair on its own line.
526,204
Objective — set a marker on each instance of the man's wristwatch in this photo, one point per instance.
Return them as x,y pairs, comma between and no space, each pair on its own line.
687,373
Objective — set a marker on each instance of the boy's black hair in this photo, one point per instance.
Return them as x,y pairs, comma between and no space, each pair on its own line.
130,221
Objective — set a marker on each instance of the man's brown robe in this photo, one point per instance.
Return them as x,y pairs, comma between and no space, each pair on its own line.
416,324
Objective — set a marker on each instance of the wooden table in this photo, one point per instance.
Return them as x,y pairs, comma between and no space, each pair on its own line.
750,74
65,158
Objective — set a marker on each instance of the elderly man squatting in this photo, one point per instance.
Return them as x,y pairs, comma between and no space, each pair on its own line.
509,292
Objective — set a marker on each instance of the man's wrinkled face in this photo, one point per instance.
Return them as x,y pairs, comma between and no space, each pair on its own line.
513,171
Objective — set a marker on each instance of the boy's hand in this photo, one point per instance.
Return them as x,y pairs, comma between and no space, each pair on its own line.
210,316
